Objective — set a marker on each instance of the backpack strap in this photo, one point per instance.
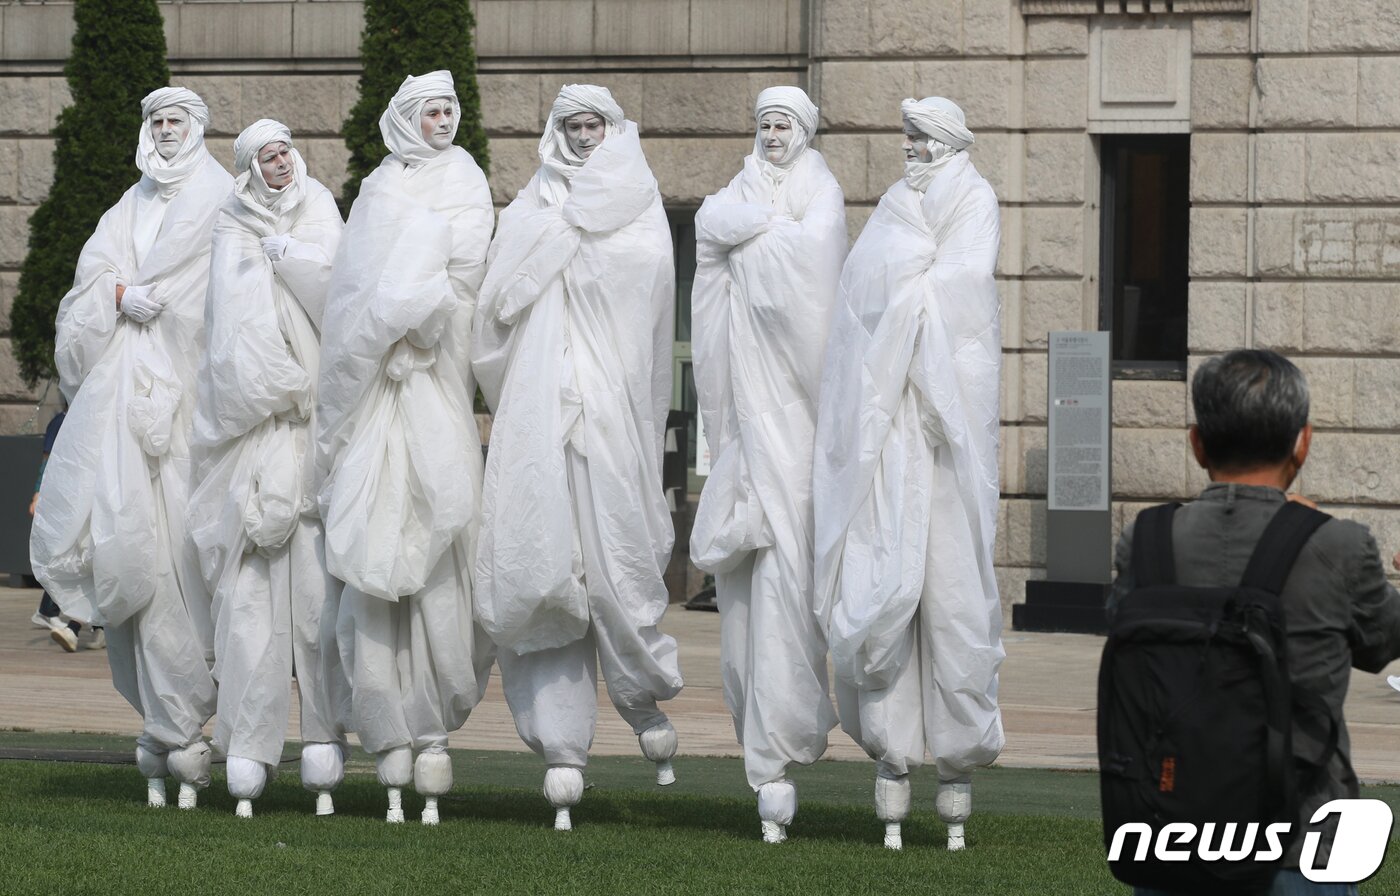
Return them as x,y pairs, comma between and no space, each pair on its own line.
1153,560
1280,545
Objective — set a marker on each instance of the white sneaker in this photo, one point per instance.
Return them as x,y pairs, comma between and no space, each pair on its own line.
64,637
99,640
1394,681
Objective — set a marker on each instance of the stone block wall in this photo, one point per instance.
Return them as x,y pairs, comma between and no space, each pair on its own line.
1325,245
1294,113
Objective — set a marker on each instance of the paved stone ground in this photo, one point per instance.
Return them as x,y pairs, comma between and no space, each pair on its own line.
1047,698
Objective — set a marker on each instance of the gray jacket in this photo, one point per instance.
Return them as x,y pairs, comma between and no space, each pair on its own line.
1340,610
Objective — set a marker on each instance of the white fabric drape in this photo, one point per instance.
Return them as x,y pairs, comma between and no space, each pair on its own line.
109,539
399,455
769,257
906,464
573,340
253,514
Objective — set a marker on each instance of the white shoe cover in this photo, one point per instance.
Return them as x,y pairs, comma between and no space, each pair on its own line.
322,766
189,796
892,798
394,767
894,838
659,745
658,742
246,778
777,802
432,774
395,813
190,764
430,811
772,831
954,801
954,806
665,774
957,838
563,786
324,804
151,765
155,793
244,809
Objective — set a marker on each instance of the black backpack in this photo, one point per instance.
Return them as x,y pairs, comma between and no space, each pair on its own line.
1195,714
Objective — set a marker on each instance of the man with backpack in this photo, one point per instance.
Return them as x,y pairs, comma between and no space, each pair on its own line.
1234,623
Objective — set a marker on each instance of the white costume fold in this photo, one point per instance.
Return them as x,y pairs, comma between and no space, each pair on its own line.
769,247
108,540
253,515
573,339
399,455
906,463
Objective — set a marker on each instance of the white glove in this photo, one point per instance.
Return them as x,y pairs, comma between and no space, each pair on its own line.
274,247
138,305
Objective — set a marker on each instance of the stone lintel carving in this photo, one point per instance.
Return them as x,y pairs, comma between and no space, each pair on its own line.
1139,73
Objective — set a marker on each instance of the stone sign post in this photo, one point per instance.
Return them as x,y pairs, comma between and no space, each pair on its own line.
1078,529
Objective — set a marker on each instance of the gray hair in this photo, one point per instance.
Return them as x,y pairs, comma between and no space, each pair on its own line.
1250,406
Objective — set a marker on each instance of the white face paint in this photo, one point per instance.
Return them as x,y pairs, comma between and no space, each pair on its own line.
436,120
275,162
917,146
584,131
170,125
775,134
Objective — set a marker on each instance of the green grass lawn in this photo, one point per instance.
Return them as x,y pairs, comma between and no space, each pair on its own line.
82,827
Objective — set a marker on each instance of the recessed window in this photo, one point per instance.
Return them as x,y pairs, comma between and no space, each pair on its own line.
1145,229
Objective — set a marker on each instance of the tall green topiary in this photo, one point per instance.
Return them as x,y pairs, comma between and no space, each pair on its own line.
118,57
411,37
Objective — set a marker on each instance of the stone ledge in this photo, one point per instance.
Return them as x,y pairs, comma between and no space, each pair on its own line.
1133,7
526,29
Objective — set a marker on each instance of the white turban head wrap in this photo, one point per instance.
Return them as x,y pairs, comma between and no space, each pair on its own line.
939,118
797,106
170,174
399,124
943,123
573,99
254,137
250,186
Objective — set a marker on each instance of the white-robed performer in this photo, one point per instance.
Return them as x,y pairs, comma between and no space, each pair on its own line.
399,454
253,515
906,463
769,250
573,342
109,540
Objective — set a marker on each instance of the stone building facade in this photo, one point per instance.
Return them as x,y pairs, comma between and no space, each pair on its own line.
1285,115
